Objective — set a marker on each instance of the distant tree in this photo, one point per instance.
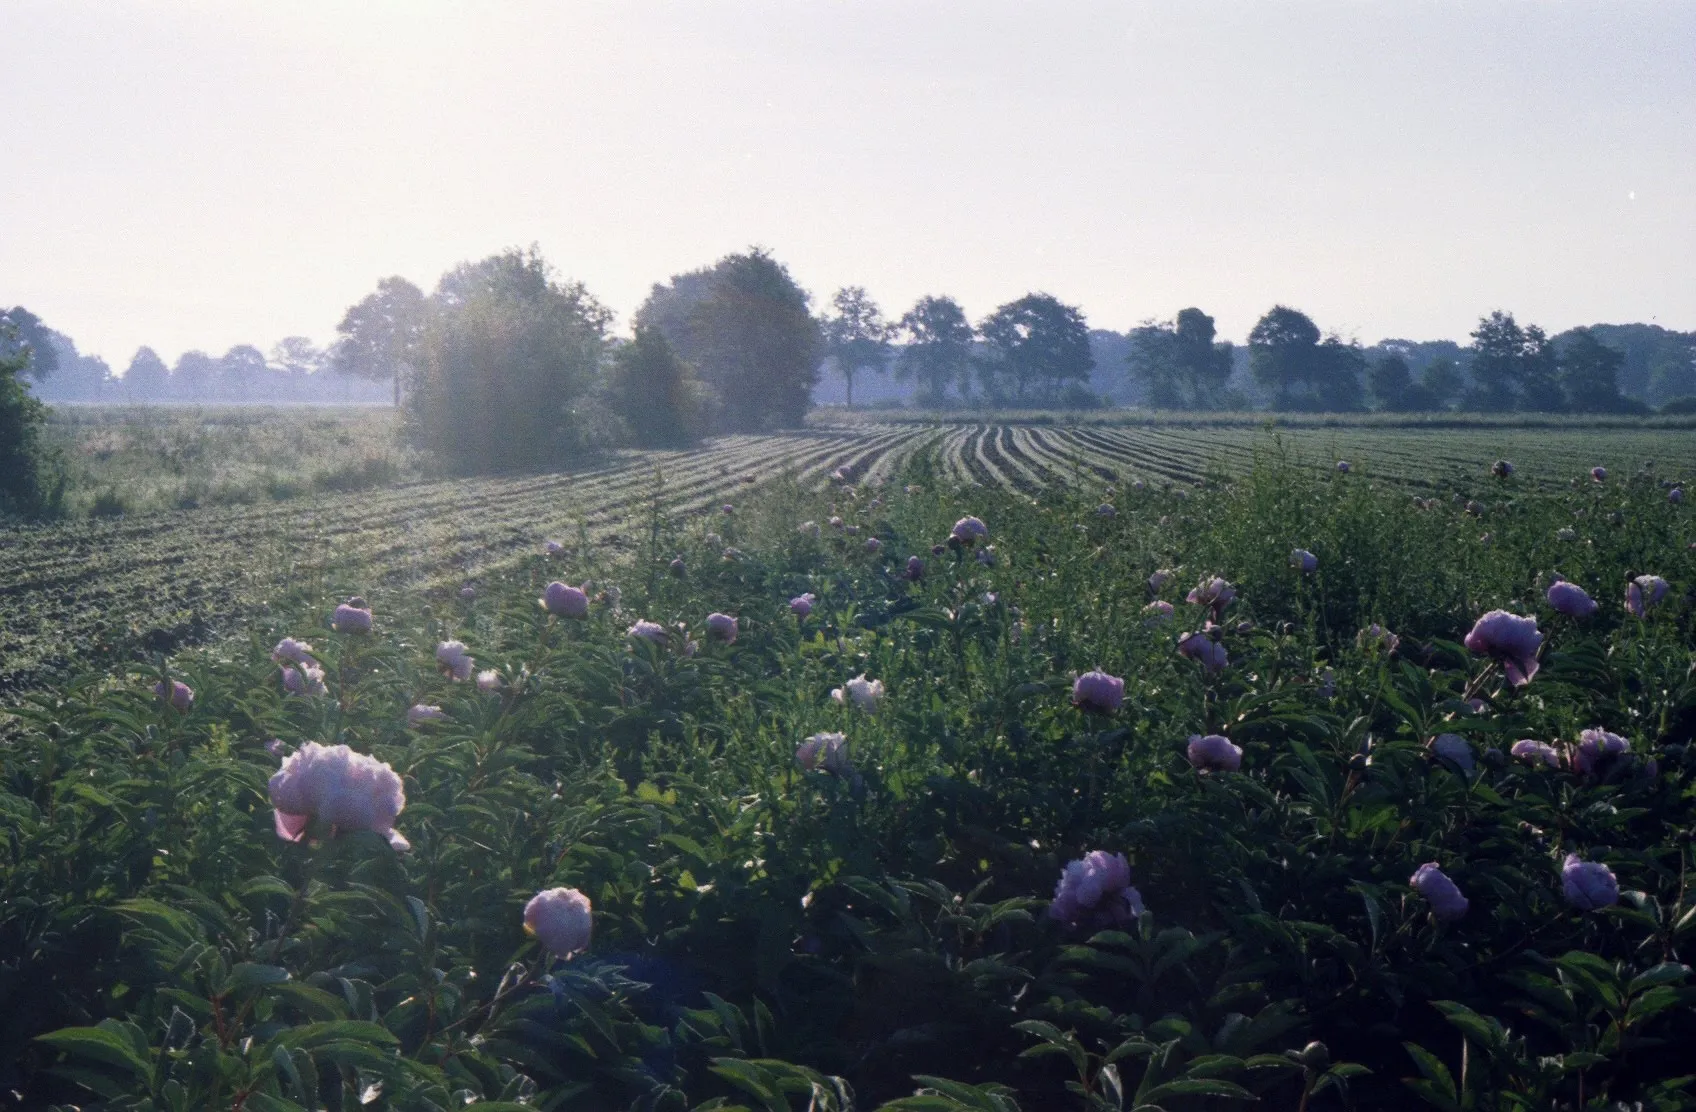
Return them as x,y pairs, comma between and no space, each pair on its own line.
506,366
379,337
243,374
938,351
654,391
147,378
744,326
1442,382
856,337
1033,348
1342,364
298,356
1180,363
194,378
1391,383
1590,375
27,337
31,484
1513,367
1672,372
1284,357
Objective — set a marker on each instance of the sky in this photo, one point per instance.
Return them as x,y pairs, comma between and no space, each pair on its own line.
202,174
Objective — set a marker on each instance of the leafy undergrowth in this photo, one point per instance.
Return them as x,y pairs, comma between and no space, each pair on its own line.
880,934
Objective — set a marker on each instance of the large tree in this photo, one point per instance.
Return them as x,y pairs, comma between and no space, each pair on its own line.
1590,375
654,391
1513,367
1033,349
938,349
1179,362
147,378
31,484
22,334
379,337
856,337
744,325
507,362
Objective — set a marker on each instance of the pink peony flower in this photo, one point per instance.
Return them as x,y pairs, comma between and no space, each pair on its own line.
562,919
865,694
1214,593
180,695
727,509
915,569
835,522
488,681
1455,750
418,714
1534,752
1098,693
802,605
1096,891
649,631
1597,751
873,545
290,651
1157,582
1501,469
1570,599
468,592
677,568
352,616
721,627
808,528
986,556
275,747
1510,639
1105,510
1447,904
1304,561
1376,638
1343,466
1213,753
339,788
1643,592
1159,611
1599,474
968,530
1676,496
564,601
308,679
1200,647
453,661
825,752
1588,885
552,548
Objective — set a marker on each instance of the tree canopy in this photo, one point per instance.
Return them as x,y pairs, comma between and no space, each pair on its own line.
1034,348
856,337
938,349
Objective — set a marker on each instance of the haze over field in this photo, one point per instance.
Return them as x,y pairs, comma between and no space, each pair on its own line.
198,176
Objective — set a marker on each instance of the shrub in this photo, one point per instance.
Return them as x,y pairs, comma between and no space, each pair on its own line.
32,483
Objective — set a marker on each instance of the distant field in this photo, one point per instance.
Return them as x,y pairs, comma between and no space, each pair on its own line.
97,587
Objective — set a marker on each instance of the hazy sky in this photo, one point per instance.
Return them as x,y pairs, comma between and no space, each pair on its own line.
195,175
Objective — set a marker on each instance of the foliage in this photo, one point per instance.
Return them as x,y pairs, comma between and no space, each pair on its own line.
771,938
1182,365
744,326
1513,367
856,337
22,335
381,337
938,349
1287,357
31,484
654,392
508,359
1035,351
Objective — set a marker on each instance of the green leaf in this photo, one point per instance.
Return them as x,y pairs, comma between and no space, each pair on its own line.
100,1045
1197,1087
246,975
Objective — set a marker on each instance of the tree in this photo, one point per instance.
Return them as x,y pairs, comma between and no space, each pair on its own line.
856,337
242,373
22,334
744,325
1590,375
1284,357
654,391
379,337
1391,383
1033,347
31,483
507,361
1442,383
938,349
1180,363
147,377
1513,367
194,378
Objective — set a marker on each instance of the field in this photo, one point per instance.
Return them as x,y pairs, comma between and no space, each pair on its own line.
931,912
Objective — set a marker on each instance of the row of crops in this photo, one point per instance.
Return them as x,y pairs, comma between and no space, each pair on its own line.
88,590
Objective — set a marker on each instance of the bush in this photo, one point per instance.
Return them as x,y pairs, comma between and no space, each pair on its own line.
655,392
32,483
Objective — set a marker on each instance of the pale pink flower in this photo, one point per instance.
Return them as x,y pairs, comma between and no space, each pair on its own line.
1446,902
1343,466
1501,469
1105,510
1096,891
1204,649
562,919
865,694
290,651
338,788
1303,561
873,545
986,556
915,569
275,747
352,616
1213,753
1157,582
649,631
1597,750
1676,496
1588,885
1510,639
721,627
180,695
553,548
564,601
825,752
308,679
1098,693
419,713
1214,593
1455,750
468,592
1643,592
488,681
1599,474
835,522
1570,599
1159,611
454,661
802,605
1534,752
808,528
969,530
